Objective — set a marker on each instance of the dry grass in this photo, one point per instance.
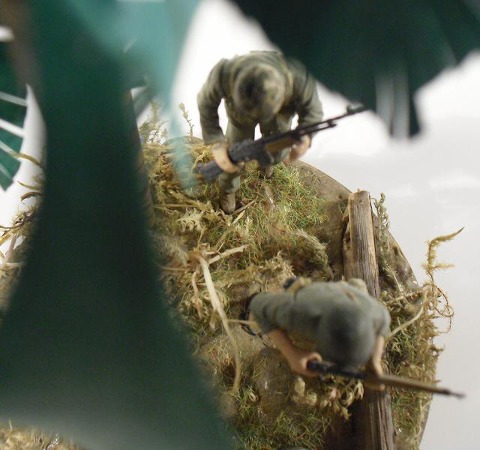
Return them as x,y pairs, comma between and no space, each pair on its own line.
212,263
30,439
256,249
411,350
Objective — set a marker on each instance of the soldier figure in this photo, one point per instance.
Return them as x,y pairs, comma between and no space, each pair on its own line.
344,324
260,88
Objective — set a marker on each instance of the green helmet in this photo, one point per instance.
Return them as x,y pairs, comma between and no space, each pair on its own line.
348,337
259,91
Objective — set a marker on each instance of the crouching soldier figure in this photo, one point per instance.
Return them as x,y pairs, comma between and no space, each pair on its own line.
260,88
343,322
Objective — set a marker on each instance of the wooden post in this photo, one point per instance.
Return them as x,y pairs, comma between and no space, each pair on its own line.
359,259
372,416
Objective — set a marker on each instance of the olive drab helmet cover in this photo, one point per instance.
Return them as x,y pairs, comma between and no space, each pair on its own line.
259,91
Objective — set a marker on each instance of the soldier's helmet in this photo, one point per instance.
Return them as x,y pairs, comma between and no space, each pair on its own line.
349,338
259,91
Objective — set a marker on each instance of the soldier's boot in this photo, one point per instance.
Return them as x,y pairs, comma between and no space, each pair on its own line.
267,171
227,202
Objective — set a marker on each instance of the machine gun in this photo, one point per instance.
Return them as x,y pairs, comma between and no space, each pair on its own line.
324,368
263,148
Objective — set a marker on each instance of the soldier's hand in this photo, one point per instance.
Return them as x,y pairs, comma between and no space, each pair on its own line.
374,366
220,154
374,372
298,362
299,149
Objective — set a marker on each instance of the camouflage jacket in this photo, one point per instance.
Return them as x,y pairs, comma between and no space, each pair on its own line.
301,94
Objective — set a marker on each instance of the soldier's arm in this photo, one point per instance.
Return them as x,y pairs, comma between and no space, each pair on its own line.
273,313
297,358
374,364
307,105
272,310
299,149
208,100
305,96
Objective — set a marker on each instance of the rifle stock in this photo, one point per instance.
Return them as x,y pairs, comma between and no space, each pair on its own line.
325,368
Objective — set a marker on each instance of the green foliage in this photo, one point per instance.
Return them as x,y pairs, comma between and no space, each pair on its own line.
191,225
257,248
153,130
13,110
88,308
185,115
378,53
272,237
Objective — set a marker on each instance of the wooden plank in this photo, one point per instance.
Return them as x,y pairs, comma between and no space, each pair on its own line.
372,416
359,259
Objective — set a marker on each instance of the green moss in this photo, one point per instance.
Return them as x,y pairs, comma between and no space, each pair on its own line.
410,350
274,237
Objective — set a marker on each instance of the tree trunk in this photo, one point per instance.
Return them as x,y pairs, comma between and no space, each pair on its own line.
372,416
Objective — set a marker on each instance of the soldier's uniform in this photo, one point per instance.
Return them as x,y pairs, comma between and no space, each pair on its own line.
300,97
341,319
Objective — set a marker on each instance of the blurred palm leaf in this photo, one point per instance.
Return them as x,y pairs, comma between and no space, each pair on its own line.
87,346
140,31
379,53
12,116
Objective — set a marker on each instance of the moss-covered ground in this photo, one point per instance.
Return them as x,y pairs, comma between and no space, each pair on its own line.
212,263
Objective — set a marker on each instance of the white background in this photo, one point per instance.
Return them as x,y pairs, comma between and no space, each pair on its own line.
432,186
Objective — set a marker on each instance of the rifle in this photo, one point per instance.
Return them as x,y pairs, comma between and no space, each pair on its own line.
262,149
325,368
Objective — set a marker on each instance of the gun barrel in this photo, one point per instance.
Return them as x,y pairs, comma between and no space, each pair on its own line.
394,381
408,383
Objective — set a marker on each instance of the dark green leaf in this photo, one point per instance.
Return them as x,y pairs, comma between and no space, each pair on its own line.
379,53
87,346
12,110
